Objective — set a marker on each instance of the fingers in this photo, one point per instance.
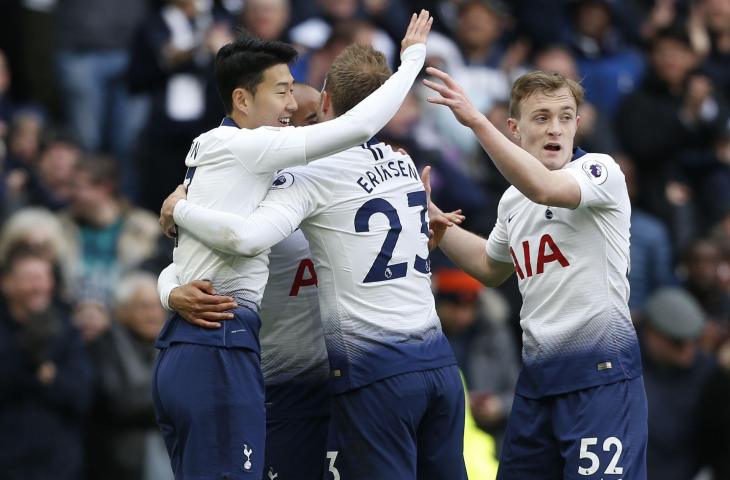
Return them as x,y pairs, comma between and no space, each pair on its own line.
418,29
200,322
204,285
426,179
444,77
455,217
444,90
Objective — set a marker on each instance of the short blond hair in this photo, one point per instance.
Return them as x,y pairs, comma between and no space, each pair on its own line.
541,82
356,73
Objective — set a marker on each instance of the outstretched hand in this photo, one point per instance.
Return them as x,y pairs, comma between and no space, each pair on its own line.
418,30
453,96
199,305
167,222
438,220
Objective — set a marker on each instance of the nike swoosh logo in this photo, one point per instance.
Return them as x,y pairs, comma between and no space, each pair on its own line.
238,331
509,219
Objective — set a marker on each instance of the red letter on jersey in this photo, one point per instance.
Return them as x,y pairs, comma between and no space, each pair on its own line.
543,257
517,264
300,281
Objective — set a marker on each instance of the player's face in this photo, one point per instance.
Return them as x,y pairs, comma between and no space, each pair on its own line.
547,125
308,101
274,103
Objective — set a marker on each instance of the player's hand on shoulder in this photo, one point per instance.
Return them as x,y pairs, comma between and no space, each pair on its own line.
198,304
167,222
418,30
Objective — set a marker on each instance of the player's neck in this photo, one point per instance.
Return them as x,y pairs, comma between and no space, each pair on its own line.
242,121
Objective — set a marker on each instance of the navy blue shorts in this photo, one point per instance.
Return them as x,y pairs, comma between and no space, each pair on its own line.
295,448
403,427
209,403
591,434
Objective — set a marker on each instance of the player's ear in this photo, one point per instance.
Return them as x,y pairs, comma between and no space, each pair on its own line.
513,127
241,100
325,103
577,121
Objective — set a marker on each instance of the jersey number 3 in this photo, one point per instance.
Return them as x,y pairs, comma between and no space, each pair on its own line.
381,270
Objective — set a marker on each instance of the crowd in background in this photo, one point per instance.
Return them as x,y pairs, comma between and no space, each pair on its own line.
99,103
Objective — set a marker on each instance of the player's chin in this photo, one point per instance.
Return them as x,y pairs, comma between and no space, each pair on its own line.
553,159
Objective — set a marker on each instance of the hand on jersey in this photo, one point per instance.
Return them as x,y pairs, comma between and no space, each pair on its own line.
417,31
452,96
197,303
167,222
438,220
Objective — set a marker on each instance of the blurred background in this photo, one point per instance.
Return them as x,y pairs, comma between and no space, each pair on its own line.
100,100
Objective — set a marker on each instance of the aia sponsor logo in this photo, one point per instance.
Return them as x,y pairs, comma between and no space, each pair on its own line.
547,252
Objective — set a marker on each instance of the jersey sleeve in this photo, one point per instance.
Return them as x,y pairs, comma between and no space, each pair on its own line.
601,181
498,242
294,195
166,282
268,149
273,148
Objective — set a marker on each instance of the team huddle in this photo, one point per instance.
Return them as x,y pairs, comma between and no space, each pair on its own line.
305,342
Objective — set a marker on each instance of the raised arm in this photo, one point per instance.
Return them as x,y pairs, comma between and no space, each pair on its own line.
557,188
369,116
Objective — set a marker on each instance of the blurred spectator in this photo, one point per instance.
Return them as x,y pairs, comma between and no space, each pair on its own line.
714,20
702,265
474,320
41,230
172,61
93,40
266,19
24,138
651,248
124,442
6,104
714,417
45,376
675,110
480,30
311,68
107,236
610,67
53,180
674,363
315,32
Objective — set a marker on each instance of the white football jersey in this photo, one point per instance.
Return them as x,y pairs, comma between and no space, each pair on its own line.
572,268
292,343
230,171
364,213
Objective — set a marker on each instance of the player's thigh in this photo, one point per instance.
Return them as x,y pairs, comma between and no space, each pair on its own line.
603,431
214,399
373,430
529,450
295,448
440,434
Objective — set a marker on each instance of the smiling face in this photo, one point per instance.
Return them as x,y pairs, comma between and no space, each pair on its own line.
546,126
273,103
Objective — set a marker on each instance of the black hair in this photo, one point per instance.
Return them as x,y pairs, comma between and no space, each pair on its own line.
241,64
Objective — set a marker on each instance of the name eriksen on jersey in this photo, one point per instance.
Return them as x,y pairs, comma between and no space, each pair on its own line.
380,173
